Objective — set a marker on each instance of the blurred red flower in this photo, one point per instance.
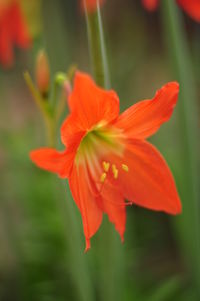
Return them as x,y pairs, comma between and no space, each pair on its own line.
191,7
151,5
91,4
13,30
107,159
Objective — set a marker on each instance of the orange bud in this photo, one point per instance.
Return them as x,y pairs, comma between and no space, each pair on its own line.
42,72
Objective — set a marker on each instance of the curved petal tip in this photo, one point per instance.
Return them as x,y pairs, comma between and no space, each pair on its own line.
87,245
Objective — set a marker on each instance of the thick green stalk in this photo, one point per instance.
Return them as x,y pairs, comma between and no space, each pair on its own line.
110,250
188,223
97,47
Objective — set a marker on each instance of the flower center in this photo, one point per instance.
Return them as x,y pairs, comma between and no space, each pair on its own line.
99,141
101,152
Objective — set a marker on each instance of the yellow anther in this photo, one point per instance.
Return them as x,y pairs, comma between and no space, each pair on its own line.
106,166
125,167
103,177
115,171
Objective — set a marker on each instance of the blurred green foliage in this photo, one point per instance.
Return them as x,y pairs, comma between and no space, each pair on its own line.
42,245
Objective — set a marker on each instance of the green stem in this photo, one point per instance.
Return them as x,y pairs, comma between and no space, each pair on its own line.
36,95
188,223
97,47
111,250
51,125
45,109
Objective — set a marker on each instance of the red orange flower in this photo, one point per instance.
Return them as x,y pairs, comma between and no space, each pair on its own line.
191,7
91,4
13,30
107,159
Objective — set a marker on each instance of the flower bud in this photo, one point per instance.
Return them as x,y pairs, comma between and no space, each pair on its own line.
60,78
42,72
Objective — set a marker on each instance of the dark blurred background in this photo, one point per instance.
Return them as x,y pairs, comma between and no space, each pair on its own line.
41,242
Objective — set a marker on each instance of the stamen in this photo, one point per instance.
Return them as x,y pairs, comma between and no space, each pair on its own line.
106,166
125,167
115,171
103,177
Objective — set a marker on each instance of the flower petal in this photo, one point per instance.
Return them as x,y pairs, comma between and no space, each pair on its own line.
92,104
113,204
86,201
18,26
89,105
111,200
192,8
54,161
148,181
71,132
144,118
6,47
